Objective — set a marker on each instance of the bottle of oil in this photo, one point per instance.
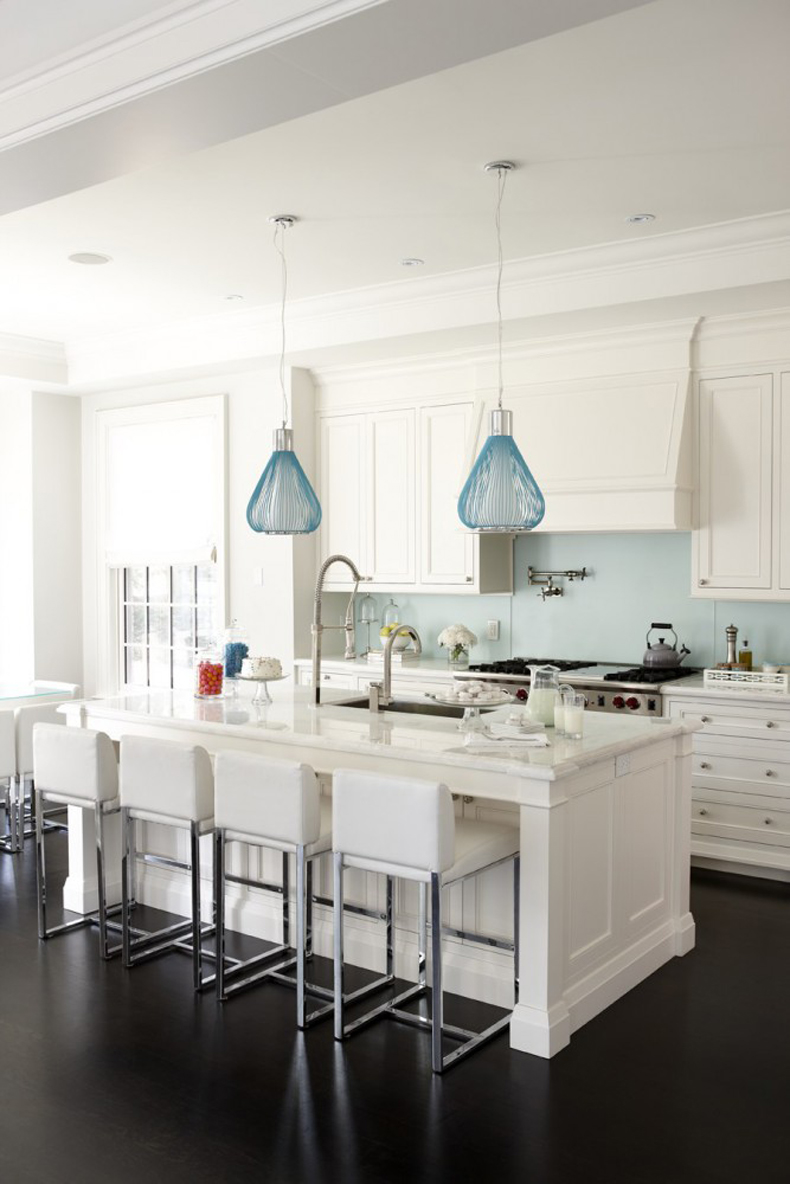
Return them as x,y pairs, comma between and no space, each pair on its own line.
745,655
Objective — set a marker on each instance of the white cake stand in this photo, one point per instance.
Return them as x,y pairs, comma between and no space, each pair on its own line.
262,693
472,721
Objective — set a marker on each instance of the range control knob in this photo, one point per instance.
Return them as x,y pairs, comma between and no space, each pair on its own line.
618,701
601,701
521,694
632,702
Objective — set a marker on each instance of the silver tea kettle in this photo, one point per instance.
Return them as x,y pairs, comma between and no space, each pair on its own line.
659,655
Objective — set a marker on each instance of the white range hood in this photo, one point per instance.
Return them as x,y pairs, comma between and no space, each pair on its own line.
610,442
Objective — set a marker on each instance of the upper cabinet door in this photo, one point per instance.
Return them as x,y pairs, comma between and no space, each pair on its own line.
391,450
782,481
447,551
342,491
735,476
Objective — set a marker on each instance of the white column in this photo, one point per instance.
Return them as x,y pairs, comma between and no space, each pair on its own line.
681,904
541,1022
81,891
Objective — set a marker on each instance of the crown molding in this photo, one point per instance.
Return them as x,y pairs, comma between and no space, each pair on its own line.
33,359
726,255
185,38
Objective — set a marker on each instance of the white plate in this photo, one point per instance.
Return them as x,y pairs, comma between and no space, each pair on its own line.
500,701
260,678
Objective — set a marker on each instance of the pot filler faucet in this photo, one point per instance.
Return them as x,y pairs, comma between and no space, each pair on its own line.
318,628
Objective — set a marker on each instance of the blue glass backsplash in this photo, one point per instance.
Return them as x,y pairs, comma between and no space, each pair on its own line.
635,579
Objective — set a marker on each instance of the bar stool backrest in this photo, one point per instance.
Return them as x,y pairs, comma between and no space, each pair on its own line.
398,821
7,745
74,763
26,720
69,690
272,799
163,777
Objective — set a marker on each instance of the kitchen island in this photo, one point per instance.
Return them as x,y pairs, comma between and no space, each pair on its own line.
604,831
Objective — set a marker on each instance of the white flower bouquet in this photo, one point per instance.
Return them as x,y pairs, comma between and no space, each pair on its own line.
458,640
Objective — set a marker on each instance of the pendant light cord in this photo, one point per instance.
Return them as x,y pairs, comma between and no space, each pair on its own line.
501,181
279,246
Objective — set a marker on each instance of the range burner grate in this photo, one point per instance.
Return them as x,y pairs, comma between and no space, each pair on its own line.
520,666
649,674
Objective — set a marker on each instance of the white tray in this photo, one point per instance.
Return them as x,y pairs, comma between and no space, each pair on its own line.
500,701
755,680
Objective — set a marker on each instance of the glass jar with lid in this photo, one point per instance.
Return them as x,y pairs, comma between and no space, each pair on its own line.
235,649
209,672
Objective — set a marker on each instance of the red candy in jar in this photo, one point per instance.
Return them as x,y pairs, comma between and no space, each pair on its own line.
209,675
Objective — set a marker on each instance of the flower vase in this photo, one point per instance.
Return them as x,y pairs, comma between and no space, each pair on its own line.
458,657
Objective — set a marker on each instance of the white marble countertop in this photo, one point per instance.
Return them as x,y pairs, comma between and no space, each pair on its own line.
293,720
695,685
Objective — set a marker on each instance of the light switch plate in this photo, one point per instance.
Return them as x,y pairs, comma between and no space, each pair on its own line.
492,630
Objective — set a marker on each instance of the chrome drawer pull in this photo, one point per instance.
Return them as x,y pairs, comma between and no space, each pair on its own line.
703,812
770,724
704,765
770,773
768,821
704,719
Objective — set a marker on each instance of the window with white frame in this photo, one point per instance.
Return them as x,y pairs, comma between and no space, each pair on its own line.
162,474
168,613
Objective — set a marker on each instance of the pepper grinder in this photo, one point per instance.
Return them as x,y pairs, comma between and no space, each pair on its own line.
732,637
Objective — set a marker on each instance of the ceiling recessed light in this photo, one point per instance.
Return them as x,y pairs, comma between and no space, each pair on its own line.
412,262
90,258
234,296
641,218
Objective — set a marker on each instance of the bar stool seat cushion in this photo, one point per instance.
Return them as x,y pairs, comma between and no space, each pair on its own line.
76,763
7,745
275,800
478,845
162,781
322,843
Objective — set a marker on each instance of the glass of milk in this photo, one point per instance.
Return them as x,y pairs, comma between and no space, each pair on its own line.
573,710
559,709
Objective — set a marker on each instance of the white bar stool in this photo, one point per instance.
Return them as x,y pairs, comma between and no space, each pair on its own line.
277,805
74,767
26,720
404,828
172,785
9,841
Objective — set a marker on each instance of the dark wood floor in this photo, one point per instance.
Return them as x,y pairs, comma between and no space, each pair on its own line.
110,1076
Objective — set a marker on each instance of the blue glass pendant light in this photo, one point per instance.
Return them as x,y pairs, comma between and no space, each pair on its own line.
500,495
283,501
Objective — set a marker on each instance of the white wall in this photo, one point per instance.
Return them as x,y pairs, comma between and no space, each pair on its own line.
266,609
16,537
57,534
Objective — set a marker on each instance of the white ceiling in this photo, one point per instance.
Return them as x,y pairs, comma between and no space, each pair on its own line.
59,27
678,108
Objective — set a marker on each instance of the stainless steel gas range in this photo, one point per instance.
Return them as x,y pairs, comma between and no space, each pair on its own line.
607,686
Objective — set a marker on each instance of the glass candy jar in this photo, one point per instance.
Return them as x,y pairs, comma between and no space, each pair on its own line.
209,673
235,649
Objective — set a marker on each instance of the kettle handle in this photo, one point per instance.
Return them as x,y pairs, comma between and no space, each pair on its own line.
662,625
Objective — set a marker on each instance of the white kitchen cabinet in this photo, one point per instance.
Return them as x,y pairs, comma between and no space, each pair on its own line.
389,483
391,464
782,483
734,539
740,783
342,487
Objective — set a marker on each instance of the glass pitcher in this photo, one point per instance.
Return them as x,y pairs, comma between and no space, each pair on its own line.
544,687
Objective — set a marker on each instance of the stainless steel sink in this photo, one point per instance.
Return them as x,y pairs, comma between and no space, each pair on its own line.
410,707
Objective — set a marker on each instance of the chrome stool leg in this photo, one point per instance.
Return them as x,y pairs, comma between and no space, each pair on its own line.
437,998
337,859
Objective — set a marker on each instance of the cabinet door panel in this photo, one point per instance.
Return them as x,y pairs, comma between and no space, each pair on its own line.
446,551
735,437
342,488
391,457
783,482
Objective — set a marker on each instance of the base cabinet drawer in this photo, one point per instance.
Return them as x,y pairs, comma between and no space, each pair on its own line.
329,679
730,719
747,823
723,766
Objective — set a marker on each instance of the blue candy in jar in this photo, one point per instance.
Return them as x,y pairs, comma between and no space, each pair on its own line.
235,652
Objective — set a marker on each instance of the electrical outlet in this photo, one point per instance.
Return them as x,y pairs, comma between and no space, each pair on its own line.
622,764
492,631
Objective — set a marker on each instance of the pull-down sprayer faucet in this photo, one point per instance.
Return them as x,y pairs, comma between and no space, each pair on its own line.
318,628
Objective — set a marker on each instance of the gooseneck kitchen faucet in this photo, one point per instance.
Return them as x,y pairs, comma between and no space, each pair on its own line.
318,628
